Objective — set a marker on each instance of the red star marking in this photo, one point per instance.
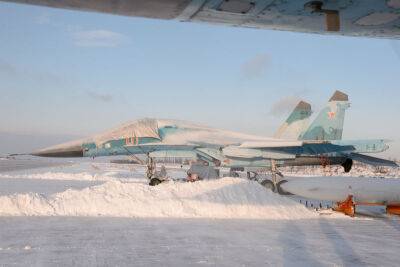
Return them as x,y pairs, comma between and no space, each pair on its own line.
331,114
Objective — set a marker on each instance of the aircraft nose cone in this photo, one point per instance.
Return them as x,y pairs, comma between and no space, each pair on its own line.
61,151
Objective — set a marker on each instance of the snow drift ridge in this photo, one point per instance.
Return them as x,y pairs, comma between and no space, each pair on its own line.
223,198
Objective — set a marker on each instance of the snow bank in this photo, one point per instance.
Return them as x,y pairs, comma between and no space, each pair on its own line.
222,198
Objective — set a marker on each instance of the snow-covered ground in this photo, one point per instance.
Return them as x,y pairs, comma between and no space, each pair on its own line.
88,241
97,213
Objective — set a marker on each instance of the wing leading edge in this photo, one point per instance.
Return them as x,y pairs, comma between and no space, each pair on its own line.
375,18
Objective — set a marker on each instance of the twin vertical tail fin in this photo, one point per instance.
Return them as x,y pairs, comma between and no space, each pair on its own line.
296,123
328,125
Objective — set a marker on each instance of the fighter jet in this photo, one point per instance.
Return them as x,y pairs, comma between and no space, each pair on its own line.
374,18
221,148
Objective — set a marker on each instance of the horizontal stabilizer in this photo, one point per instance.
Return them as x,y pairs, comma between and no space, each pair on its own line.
373,160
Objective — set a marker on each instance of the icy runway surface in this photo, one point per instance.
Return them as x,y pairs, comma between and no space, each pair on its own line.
96,213
69,241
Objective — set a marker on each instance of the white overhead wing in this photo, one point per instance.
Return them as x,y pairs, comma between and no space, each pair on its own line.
374,18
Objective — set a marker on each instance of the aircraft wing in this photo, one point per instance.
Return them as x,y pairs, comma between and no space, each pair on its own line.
298,147
374,18
372,160
288,147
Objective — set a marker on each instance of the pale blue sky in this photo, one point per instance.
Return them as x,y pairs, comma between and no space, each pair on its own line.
76,73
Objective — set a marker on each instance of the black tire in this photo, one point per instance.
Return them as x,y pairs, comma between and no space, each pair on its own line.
280,190
234,174
155,181
268,184
347,164
252,175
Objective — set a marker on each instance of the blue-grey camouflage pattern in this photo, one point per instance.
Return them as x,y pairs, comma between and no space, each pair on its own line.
328,125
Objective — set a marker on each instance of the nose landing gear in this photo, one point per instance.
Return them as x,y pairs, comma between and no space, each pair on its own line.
155,177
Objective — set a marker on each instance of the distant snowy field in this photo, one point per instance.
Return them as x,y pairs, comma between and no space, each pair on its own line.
86,212
358,170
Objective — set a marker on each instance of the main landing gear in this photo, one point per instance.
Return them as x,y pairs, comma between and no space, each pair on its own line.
274,183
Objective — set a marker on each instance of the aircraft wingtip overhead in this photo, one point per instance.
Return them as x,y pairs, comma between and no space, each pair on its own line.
339,96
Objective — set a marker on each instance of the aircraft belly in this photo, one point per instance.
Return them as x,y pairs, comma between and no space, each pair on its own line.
258,163
299,161
311,161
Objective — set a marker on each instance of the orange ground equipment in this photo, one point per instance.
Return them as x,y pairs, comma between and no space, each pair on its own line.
393,210
347,206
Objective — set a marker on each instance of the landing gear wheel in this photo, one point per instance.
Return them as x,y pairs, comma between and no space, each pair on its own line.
234,174
268,184
347,164
252,175
155,181
280,190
